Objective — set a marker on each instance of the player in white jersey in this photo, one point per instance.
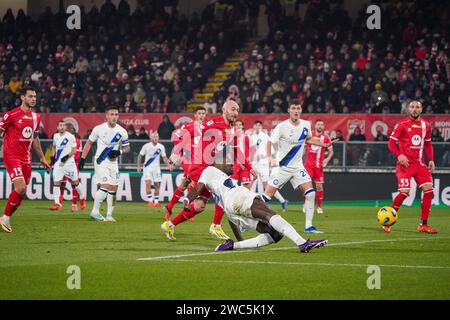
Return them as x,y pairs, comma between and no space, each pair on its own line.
289,137
260,162
152,152
246,210
63,150
112,141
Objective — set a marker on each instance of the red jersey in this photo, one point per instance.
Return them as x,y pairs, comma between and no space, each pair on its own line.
242,152
412,139
19,127
315,154
77,154
186,140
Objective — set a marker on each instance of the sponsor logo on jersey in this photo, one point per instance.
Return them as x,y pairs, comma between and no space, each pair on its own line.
27,118
27,132
416,140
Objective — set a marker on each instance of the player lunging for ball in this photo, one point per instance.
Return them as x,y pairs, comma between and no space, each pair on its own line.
112,141
20,128
246,210
63,150
409,142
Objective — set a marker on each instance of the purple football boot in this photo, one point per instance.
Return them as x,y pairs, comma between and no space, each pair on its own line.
312,244
228,245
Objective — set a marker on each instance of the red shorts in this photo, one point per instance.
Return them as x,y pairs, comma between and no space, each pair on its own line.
18,169
417,171
316,174
244,176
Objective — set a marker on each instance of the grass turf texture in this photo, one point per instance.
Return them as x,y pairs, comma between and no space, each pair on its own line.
35,257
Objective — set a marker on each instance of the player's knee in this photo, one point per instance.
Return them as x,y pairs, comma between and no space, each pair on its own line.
404,192
310,194
22,189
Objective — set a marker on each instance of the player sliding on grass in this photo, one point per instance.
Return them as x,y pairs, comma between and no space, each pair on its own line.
290,137
245,209
152,152
20,128
112,141
410,139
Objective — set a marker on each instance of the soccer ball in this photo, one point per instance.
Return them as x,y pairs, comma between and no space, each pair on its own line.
387,216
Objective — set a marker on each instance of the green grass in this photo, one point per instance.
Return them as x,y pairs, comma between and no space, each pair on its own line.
35,257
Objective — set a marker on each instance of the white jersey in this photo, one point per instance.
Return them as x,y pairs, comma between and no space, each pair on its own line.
152,154
108,139
64,145
259,142
290,142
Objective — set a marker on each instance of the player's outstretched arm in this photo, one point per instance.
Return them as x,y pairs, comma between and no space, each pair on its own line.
330,155
87,147
430,154
169,163
139,160
316,141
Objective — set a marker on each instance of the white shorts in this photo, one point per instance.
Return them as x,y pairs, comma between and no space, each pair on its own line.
106,173
153,174
238,202
263,171
68,169
281,175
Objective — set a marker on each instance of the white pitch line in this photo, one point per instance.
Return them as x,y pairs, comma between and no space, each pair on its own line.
276,249
312,264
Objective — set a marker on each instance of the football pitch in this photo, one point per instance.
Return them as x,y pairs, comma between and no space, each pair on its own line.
132,259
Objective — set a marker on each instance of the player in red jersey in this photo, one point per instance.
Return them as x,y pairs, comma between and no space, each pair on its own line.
75,196
243,171
216,133
185,146
20,128
409,142
316,161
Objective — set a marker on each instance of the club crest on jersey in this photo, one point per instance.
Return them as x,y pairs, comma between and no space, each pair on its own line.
416,140
27,132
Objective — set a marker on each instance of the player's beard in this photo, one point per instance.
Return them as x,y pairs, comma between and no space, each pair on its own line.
415,118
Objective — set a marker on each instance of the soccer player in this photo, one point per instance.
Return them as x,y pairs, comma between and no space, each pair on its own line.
260,163
185,145
152,152
20,128
112,141
243,170
245,209
290,137
63,150
216,132
316,161
409,141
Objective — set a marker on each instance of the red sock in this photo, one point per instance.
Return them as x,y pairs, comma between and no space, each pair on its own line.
175,198
319,197
218,214
62,188
185,215
74,196
14,201
399,200
426,204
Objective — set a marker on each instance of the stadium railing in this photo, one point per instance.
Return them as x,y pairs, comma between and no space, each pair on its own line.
349,156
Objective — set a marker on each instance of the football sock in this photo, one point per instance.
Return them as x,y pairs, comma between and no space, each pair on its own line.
218,214
319,196
150,197
184,215
279,197
256,242
62,189
175,198
56,194
283,227
398,200
78,191
266,198
75,195
14,201
110,200
156,199
310,196
99,197
426,205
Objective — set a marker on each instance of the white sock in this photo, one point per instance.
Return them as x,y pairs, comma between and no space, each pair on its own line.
262,240
150,197
156,199
5,218
79,189
265,197
110,201
283,227
310,198
100,196
56,194
279,197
